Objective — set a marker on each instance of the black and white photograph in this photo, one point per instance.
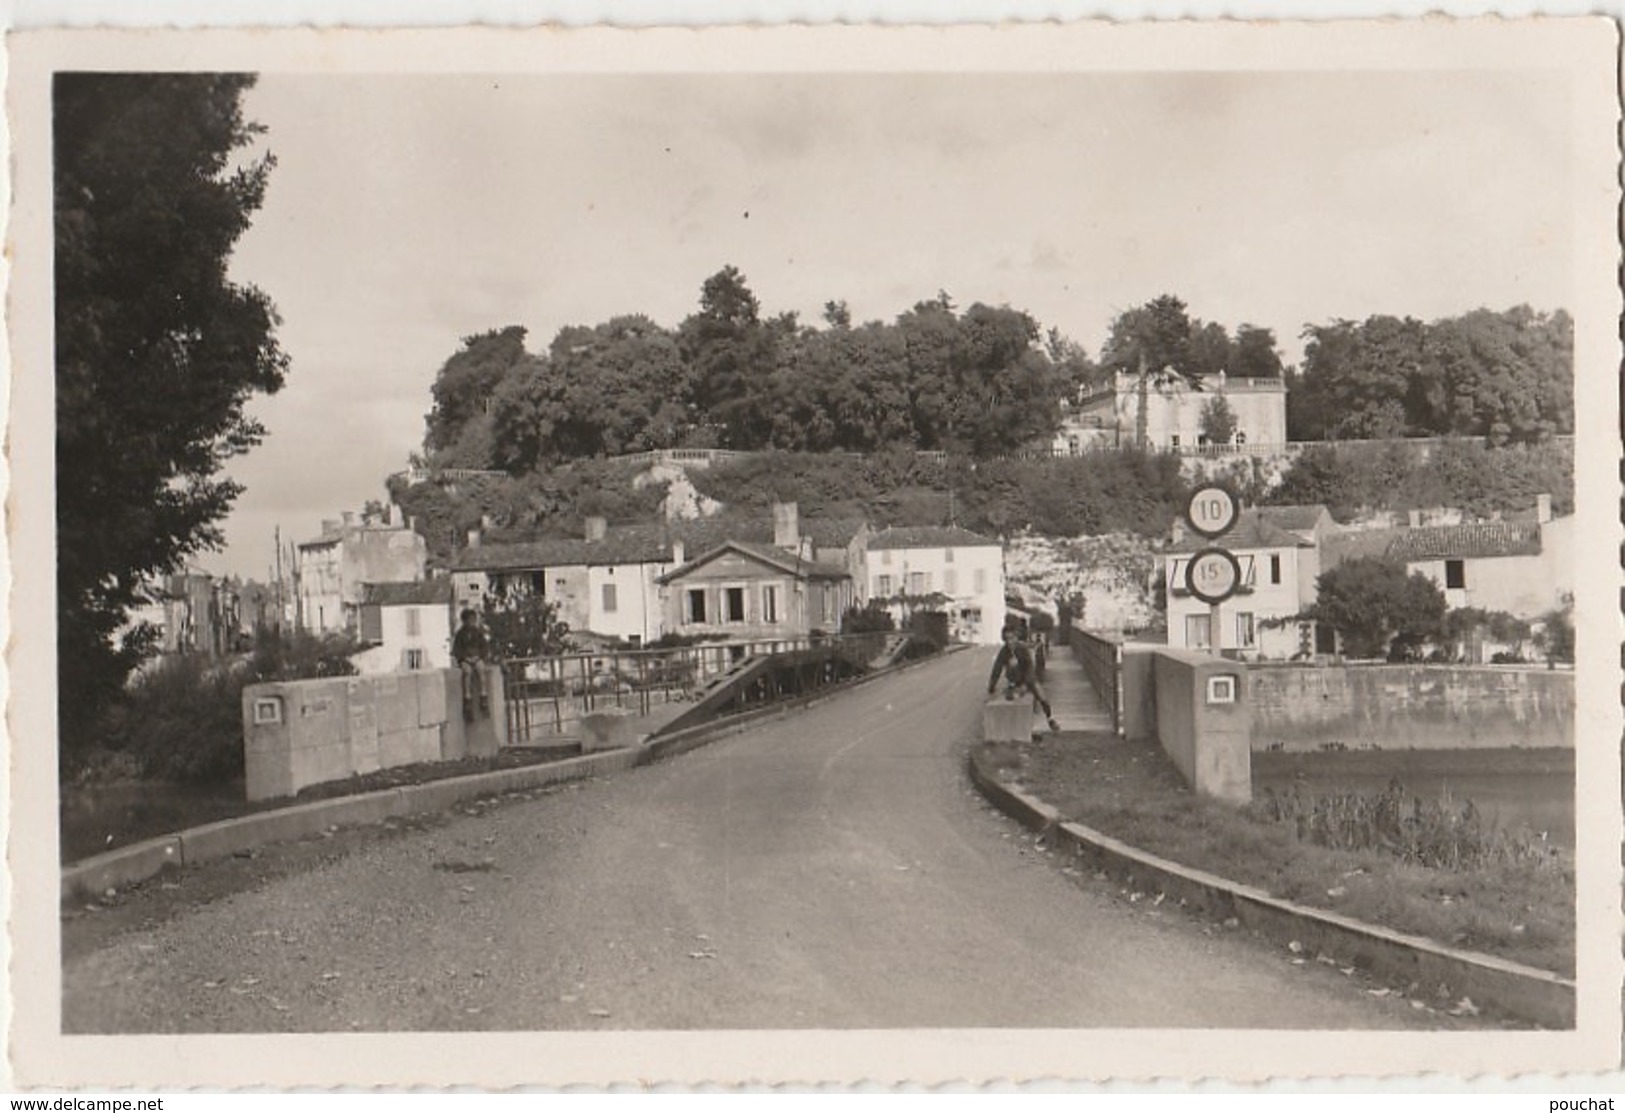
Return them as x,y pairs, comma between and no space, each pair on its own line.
815,555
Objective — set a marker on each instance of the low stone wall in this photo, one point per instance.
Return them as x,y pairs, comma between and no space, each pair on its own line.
1410,707
304,732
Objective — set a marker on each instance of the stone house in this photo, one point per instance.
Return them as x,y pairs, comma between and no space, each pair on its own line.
965,568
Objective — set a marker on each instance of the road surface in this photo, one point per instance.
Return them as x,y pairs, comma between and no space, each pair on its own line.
832,869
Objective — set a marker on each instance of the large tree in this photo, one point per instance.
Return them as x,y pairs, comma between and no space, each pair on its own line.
460,426
157,349
1379,610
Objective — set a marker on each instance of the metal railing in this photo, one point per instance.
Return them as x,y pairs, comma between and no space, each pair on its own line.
546,697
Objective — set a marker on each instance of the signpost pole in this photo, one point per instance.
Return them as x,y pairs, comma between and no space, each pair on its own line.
1213,628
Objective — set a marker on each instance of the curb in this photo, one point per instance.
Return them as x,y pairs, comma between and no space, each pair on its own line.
1522,991
195,846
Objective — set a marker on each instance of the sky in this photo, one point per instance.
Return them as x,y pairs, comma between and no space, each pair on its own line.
406,212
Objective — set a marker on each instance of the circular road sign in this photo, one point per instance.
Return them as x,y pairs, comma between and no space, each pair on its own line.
1212,509
1213,575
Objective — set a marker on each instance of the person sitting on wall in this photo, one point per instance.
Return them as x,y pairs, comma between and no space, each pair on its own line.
1015,660
470,648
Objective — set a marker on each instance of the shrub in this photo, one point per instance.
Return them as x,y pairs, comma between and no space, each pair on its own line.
871,618
1441,833
181,721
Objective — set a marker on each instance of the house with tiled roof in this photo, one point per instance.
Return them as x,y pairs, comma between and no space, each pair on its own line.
751,591
406,627
609,582
905,564
1278,565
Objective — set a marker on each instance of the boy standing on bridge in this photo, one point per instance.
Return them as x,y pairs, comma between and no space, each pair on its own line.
1015,660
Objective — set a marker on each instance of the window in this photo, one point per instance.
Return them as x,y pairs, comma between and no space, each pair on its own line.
980,580
1455,573
883,586
414,622
1174,441
770,603
412,659
950,581
829,603
558,585
1241,438
736,604
696,605
917,583
609,598
1196,631
947,556
885,557
538,583
1275,568
1245,636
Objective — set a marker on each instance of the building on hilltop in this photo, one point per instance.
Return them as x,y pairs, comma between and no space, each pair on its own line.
333,571
1165,411
906,563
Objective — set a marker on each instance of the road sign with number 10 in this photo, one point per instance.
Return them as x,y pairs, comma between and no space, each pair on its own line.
1212,509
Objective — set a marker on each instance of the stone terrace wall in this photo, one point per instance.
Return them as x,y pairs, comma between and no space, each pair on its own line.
1423,707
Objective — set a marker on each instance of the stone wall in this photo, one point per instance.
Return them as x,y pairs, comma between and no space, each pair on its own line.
1203,722
1410,707
304,732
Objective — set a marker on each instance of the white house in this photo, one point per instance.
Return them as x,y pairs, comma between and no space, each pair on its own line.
1278,570
611,582
918,561
406,627
1164,410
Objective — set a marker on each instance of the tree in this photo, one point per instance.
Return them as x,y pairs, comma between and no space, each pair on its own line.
1149,338
1218,420
157,351
1379,610
1254,354
729,352
525,626
460,424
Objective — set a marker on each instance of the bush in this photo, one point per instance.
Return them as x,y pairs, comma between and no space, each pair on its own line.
1442,833
181,721
871,618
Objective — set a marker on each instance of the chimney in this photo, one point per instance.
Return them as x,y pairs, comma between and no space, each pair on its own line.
473,539
349,518
1413,517
331,525
677,551
485,521
596,527
1543,508
786,526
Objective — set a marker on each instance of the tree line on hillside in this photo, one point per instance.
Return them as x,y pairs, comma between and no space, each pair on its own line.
1505,376
982,382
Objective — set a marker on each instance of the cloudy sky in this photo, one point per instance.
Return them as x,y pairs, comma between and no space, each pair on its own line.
406,212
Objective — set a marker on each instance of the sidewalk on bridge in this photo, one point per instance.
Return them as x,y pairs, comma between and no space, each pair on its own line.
1077,708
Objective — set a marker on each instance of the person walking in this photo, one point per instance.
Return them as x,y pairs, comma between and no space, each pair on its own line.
471,648
1015,661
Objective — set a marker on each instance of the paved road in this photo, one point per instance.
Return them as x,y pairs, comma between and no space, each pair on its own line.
831,869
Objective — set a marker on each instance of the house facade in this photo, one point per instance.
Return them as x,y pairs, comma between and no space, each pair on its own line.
748,591
609,582
406,627
906,566
1278,571
1164,411
333,571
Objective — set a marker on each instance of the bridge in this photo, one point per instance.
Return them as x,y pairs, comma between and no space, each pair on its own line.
826,868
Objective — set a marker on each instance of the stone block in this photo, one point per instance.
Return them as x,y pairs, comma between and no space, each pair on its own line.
1006,720
610,729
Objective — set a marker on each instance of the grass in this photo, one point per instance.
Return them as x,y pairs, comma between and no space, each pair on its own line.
93,820
1519,906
